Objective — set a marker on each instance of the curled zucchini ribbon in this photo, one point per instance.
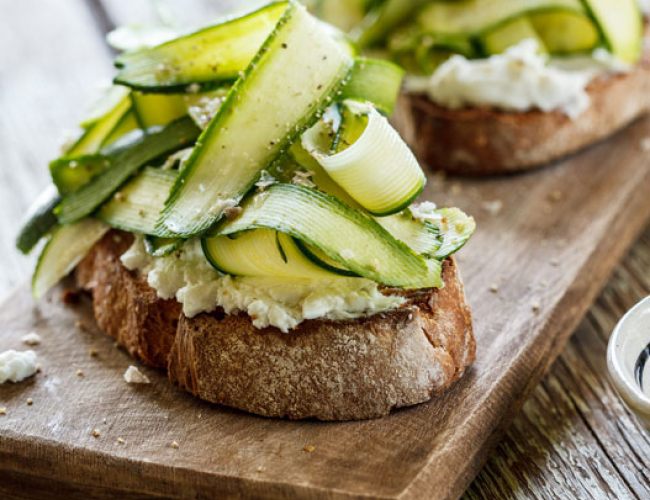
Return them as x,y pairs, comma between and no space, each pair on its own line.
376,168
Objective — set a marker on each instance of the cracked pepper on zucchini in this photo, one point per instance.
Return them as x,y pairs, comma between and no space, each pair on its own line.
262,137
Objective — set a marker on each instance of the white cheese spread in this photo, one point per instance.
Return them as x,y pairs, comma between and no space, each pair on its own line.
280,302
520,79
134,376
17,365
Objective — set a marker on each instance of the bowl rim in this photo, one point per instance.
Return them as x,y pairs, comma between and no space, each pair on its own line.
628,389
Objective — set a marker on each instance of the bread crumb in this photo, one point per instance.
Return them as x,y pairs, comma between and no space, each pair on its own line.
32,338
30,401
494,288
535,306
309,448
492,207
79,325
93,352
260,469
134,376
80,373
556,195
38,368
120,441
3,411
199,415
95,433
555,262
175,445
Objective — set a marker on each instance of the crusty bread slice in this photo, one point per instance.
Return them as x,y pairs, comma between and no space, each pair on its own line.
486,141
324,369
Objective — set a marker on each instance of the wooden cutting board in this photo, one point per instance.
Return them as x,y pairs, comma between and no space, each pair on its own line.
546,243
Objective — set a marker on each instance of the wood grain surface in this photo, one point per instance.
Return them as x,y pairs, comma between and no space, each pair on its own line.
572,440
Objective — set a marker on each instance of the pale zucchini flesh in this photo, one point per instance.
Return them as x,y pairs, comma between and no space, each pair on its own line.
509,34
101,131
207,58
376,167
137,205
297,62
621,24
261,252
475,17
566,32
346,236
67,246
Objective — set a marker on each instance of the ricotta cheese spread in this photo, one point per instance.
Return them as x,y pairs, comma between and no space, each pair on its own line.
520,79
134,376
280,302
17,365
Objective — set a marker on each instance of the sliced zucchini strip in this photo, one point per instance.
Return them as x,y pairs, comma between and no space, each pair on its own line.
105,124
83,202
378,169
159,247
375,81
421,236
468,18
346,236
382,19
322,260
566,32
621,24
39,221
454,226
300,62
70,174
136,206
160,110
207,57
262,252
509,34
67,246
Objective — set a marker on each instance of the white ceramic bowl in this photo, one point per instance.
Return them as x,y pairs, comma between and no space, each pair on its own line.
630,339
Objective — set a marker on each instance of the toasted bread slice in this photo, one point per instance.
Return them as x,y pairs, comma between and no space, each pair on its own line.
324,369
486,141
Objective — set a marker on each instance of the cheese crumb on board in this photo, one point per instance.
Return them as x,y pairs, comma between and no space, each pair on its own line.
95,433
30,401
17,365
134,376
175,445
31,338
3,411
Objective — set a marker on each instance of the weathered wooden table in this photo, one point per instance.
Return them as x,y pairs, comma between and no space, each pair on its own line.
573,438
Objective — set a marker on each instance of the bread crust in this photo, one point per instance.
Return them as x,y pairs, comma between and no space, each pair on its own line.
486,141
324,369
